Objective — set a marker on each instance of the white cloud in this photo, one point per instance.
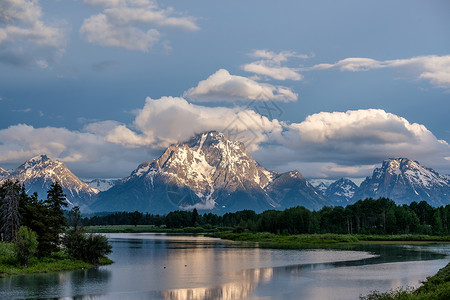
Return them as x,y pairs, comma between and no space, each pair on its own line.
363,137
435,69
86,153
270,65
133,25
278,73
24,37
222,86
171,120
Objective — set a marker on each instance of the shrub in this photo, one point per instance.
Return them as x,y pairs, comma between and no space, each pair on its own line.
26,245
7,253
87,247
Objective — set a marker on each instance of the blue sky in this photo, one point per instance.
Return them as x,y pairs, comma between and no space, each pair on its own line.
105,84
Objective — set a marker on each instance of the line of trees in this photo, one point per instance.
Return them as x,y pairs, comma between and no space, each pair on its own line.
36,226
369,216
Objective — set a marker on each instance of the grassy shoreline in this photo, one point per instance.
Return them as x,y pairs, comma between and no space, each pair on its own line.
269,240
59,261
47,265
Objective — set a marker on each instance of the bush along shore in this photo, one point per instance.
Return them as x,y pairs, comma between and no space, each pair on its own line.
34,236
436,287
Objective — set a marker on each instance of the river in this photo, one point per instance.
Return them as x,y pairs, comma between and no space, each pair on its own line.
160,266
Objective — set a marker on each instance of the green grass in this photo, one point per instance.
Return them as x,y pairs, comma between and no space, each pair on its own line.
59,261
270,240
436,287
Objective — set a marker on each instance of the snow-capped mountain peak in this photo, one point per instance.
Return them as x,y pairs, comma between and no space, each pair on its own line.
208,172
321,188
39,172
404,181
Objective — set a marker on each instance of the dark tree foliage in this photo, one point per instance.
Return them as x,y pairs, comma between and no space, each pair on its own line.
56,202
9,210
42,223
135,218
87,247
369,216
36,215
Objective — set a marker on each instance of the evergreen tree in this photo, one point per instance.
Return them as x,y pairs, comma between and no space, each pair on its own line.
9,209
56,201
194,216
74,217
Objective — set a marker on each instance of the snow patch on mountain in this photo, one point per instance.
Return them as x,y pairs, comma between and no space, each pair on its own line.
39,172
341,191
101,184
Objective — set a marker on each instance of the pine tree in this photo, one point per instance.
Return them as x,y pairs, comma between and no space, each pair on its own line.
56,201
9,209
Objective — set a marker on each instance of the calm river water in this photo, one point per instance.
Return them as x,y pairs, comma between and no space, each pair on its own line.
159,266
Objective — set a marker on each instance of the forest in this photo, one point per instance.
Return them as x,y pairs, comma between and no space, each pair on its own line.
369,216
37,229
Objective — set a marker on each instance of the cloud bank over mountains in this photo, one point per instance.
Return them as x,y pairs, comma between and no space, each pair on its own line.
340,143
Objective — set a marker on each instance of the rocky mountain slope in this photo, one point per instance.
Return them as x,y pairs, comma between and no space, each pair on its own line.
39,172
3,173
101,184
404,181
209,172
341,191
321,188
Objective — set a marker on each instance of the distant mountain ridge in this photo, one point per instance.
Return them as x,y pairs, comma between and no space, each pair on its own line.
39,172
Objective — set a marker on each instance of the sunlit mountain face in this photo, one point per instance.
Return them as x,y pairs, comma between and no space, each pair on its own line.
210,173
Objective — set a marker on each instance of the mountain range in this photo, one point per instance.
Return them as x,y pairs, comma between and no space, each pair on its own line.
214,174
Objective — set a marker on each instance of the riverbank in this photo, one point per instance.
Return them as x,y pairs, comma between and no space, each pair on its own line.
435,287
269,240
57,262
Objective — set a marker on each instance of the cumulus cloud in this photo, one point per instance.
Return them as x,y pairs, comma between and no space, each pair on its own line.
86,152
435,69
24,37
269,65
171,120
222,86
131,24
363,137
